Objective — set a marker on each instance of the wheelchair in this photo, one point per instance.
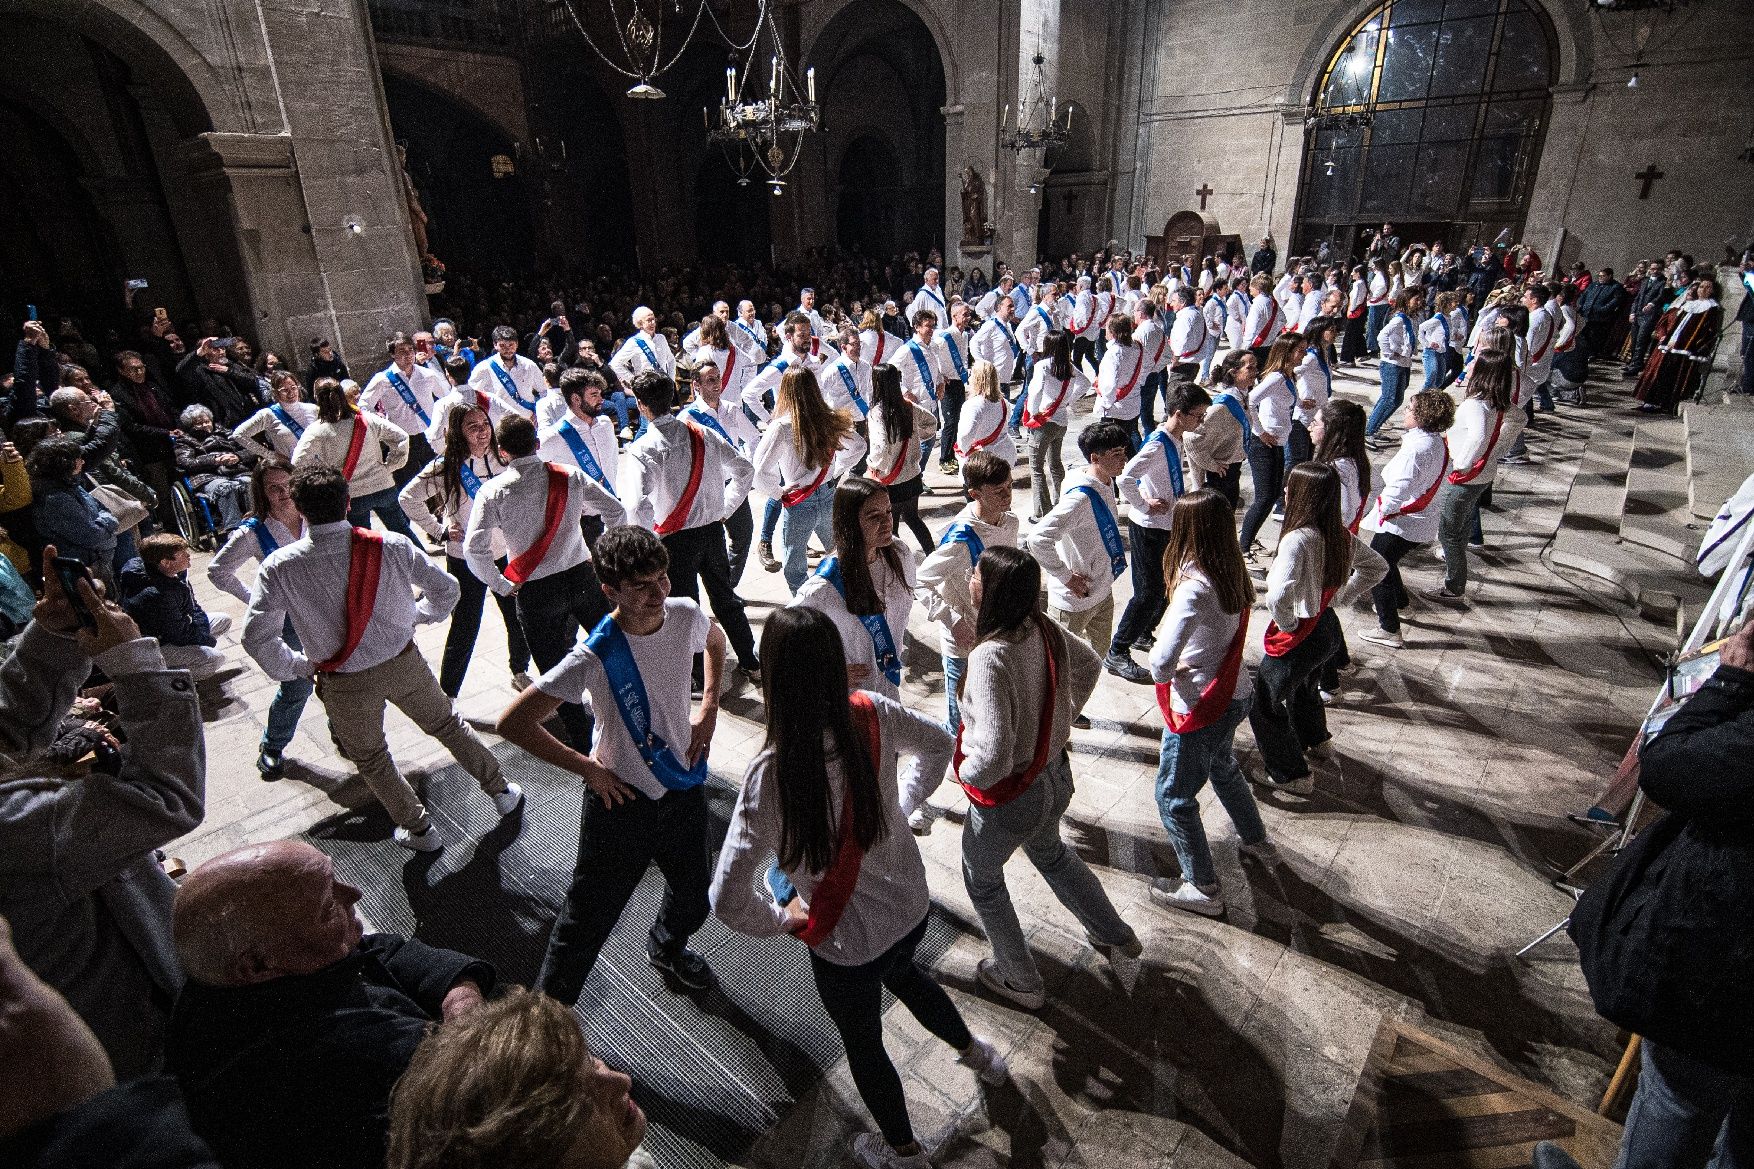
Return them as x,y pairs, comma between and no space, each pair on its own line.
194,516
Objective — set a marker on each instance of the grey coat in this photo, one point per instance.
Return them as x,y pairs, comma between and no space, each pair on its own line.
89,907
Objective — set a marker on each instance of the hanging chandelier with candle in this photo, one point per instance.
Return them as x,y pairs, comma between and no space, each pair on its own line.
761,130
1038,125
639,28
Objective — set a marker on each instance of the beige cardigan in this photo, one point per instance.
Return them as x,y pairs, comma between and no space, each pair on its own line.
385,449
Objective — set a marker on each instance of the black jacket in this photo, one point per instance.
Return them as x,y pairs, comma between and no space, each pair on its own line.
198,457
1603,302
296,1073
1263,260
36,373
163,606
138,1125
148,415
230,393
1651,295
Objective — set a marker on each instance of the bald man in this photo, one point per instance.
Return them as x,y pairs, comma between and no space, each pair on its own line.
295,1023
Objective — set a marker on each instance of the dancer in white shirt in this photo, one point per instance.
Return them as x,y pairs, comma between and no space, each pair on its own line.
404,393
806,448
1120,377
365,448
1055,384
984,416
583,437
1079,541
900,431
1483,425
1397,342
276,429
1402,516
1272,411
515,384
646,349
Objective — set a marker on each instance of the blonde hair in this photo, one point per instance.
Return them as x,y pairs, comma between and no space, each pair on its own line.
983,381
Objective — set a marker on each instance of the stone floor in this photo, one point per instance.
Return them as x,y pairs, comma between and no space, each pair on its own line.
1411,876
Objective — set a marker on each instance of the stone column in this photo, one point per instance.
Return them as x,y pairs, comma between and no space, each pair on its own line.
1023,174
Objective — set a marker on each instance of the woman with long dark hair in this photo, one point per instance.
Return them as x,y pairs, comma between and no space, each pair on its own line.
1055,384
899,430
822,798
1402,517
1026,682
1475,440
1272,407
1204,692
806,447
1218,448
1338,432
439,500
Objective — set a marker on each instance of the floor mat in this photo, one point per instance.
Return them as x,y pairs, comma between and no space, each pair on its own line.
712,1074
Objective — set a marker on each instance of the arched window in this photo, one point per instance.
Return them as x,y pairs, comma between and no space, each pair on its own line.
1428,115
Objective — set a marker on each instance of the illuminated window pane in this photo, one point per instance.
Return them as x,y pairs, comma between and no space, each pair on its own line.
1406,65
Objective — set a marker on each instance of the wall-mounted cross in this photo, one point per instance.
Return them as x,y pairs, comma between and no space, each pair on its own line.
1648,176
1204,191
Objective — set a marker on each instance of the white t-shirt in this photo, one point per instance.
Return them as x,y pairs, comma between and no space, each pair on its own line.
666,664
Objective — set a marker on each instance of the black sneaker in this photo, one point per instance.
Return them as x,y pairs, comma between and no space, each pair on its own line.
272,764
1123,666
686,968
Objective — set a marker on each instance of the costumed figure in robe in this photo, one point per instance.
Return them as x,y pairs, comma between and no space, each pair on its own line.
1686,336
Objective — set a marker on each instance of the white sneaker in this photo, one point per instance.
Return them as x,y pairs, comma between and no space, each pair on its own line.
1327,697
986,1062
1186,895
509,800
986,972
1298,787
873,1152
1384,637
521,680
1264,851
428,841
920,820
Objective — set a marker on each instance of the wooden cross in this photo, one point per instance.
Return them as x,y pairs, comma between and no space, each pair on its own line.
1205,191
1648,177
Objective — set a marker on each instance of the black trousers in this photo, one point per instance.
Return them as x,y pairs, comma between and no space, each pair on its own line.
615,846
466,626
419,455
1146,547
739,530
904,507
1298,448
1287,716
1390,594
950,403
1229,484
698,557
551,609
1267,469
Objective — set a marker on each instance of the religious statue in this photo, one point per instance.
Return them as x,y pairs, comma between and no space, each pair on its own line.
416,213
974,207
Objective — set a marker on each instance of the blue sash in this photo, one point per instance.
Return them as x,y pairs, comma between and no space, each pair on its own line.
711,420
924,366
956,357
1323,362
1173,458
1011,339
752,335
1443,323
406,394
925,291
877,625
629,691
651,358
471,481
1046,318
1105,523
1229,401
1407,324
264,538
846,375
581,453
964,534
507,384
287,420
809,317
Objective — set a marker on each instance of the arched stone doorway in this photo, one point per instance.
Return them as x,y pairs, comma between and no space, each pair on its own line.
1430,115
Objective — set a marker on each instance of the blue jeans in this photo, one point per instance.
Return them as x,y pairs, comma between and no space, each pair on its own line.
770,519
1016,422
626,409
1544,396
288,704
1374,316
1437,369
1184,765
385,506
1394,389
1687,1113
813,514
1156,386
954,669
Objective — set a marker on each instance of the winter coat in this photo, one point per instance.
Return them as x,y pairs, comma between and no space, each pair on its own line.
163,606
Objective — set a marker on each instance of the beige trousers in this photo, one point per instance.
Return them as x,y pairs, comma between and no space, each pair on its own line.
1095,625
355,706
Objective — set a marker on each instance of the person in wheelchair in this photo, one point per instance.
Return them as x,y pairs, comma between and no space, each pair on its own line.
216,465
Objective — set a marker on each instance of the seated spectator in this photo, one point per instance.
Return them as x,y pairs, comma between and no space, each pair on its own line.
217,466
156,593
60,1107
89,906
14,505
512,1084
295,1024
88,417
64,513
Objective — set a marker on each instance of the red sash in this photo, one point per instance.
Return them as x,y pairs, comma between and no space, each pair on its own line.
1537,356
364,567
987,441
1215,698
1106,313
1164,343
730,362
1424,501
1354,314
1121,394
679,514
798,495
1485,458
553,512
355,444
1272,316
1278,643
835,890
1018,782
1363,503
482,402
882,345
1034,421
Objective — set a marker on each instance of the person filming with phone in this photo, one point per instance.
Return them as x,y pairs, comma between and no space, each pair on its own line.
211,379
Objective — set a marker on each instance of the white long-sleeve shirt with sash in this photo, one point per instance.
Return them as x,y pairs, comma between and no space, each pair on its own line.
1357,296
1083,314
1420,462
1045,389
515,502
1396,340
931,299
891,896
661,461
1570,325
875,345
1068,541
818,326
1193,639
1377,290
306,581
779,468
1352,500
1188,337
382,397
1266,320
527,380
1294,582
756,389
1033,328
733,422
1236,316
953,354
598,437
944,577
1152,340
467,394
1120,382
1458,329
384,450
1216,315
742,370
1471,439
634,358
917,362
996,341
423,502
750,337
895,591
855,398
266,433
1148,476
1434,335
1315,385
984,425
897,462
1272,407
244,546
1002,697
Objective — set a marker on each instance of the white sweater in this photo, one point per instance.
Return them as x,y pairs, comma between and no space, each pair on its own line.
1419,463
1469,438
945,574
384,450
1294,583
1192,641
1001,703
1068,541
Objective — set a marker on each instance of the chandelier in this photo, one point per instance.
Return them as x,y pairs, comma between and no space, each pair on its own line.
764,135
1035,106
639,31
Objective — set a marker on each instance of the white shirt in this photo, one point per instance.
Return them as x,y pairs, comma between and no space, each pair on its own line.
993,342
818,326
898,462
912,379
1045,390
952,347
1395,340
666,661
944,576
983,427
735,368
662,462
307,582
382,398
1147,476
280,440
526,375
1068,541
423,502
750,337
598,435
243,547
731,417
1266,320
769,378
875,345
897,595
1034,326
515,502
1236,313
1470,437
630,360
1217,314
1420,462
1294,582
779,468
1378,289
326,443
467,394
1543,337
1153,341
1193,639
834,385
931,299
1189,336
1272,404
1315,384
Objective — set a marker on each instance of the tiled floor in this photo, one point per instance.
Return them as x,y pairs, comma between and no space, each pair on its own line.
1410,877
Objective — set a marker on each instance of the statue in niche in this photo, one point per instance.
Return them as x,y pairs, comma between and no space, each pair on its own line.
416,213
974,207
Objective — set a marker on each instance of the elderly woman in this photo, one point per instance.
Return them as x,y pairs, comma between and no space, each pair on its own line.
64,513
217,466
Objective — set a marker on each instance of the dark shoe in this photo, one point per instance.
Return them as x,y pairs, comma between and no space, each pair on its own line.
1081,722
272,764
764,553
1548,1155
686,968
1123,666
1145,644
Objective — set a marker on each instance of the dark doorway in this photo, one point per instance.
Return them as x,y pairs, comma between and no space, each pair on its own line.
872,198
730,215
